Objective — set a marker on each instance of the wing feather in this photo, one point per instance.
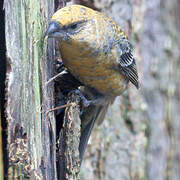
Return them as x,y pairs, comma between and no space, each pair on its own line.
127,65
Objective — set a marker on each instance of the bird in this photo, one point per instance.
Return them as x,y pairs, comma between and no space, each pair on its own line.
97,52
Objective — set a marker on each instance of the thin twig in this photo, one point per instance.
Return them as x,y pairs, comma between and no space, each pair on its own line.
56,108
54,77
59,107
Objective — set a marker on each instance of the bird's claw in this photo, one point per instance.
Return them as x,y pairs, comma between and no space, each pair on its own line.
85,103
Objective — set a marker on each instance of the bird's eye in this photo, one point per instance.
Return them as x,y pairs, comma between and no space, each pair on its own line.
73,26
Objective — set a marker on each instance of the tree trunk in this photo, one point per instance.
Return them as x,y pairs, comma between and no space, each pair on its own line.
31,131
139,138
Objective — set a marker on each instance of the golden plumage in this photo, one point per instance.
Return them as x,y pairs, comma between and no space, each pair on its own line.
94,49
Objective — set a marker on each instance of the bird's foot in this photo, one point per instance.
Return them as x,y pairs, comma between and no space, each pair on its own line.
85,102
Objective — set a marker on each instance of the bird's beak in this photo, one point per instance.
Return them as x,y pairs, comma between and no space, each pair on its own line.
54,30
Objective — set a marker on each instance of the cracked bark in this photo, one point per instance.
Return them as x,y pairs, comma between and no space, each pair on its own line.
68,142
139,138
31,135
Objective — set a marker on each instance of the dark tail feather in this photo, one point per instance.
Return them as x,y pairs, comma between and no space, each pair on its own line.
93,114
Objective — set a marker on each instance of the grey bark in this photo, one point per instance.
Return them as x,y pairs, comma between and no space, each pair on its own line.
139,138
31,131
68,163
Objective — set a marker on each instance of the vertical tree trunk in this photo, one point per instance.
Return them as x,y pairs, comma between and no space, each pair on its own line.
139,138
2,87
31,131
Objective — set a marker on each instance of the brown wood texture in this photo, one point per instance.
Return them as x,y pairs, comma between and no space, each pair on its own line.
68,165
31,131
139,138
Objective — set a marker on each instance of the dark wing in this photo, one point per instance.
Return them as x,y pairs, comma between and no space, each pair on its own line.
127,64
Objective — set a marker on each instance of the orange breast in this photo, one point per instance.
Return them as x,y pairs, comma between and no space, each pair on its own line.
93,69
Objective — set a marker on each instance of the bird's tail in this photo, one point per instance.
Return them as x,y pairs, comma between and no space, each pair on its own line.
94,114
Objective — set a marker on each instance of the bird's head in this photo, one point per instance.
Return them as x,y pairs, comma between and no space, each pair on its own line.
73,22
